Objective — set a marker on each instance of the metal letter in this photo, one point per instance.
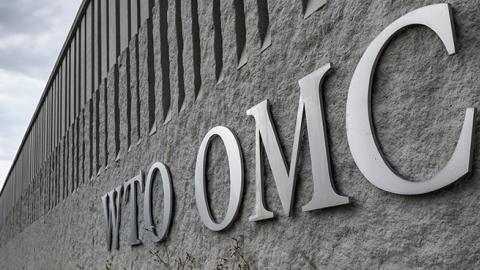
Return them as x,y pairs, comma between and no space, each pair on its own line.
161,234
130,187
310,104
310,6
235,164
111,211
361,135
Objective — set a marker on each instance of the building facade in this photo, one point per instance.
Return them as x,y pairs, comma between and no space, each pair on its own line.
170,136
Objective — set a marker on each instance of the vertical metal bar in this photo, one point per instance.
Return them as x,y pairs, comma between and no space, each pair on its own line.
62,101
104,38
50,120
83,57
73,80
67,91
124,24
44,129
54,113
78,87
97,66
134,17
146,7
114,33
89,51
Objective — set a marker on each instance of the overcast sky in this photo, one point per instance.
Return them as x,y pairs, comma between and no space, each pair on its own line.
32,33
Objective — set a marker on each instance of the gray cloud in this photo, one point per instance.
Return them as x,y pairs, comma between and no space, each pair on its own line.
32,33
21,16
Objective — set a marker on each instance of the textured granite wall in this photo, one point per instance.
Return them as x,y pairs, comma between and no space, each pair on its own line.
419,99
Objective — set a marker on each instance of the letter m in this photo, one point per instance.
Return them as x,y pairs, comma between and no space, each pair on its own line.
310,105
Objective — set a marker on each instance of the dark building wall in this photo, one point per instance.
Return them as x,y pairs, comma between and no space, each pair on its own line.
187,66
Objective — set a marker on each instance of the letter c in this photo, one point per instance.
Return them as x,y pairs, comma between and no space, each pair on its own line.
360,133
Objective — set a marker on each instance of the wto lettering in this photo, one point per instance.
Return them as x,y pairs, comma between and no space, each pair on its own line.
361,139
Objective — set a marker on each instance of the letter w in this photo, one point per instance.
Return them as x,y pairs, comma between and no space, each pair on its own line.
111,211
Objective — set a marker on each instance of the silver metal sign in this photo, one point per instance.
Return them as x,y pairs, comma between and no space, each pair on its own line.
235,164
361,138
360,132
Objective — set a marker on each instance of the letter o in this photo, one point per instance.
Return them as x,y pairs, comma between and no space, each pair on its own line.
235,163
167,202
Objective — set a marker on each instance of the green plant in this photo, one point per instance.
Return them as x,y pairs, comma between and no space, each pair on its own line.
235,258
108,265
236,252
159,259
221,265
189,262
165,260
